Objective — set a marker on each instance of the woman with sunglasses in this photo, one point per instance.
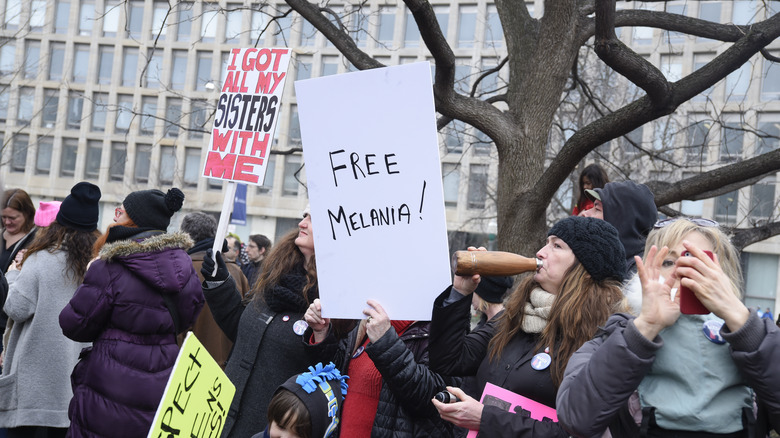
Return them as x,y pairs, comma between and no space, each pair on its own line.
664,373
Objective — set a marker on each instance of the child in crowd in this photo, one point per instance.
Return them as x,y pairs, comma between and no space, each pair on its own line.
307,405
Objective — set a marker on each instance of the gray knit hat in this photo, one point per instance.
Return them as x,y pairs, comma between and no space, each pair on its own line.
596,245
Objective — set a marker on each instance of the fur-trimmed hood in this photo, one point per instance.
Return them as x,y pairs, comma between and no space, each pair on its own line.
161,260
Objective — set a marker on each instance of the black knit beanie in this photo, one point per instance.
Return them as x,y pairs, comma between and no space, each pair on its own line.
153,208
596,245
80,209
492,289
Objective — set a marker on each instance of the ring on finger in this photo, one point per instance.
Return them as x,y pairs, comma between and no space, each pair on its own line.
368,320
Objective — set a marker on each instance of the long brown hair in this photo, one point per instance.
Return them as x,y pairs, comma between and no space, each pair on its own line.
581,306
282,259
76,244
101,241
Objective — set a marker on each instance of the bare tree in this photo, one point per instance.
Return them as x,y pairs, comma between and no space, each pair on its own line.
541,55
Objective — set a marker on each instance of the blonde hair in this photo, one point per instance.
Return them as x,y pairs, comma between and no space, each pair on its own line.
674,233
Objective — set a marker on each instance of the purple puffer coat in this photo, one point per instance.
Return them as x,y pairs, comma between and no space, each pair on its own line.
119,307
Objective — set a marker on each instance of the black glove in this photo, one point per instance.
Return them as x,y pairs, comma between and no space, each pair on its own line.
208,267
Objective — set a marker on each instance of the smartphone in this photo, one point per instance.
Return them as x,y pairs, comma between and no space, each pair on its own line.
689,304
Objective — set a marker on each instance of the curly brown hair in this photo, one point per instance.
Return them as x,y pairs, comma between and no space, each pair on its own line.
77,244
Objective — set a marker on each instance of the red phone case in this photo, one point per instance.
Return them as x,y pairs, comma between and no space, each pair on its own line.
689,304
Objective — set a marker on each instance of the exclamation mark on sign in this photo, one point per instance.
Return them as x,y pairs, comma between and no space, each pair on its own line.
422,199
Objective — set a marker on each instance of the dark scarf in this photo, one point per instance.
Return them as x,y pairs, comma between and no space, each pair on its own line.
287,295
123,233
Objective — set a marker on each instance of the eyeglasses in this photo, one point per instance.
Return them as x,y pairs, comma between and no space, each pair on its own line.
119,211
700,221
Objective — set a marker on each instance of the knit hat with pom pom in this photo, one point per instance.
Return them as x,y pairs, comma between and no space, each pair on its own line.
153,208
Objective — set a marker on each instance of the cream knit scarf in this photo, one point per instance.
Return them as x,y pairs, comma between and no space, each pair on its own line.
537,312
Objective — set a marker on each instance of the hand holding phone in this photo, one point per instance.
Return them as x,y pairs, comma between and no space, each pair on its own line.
689,304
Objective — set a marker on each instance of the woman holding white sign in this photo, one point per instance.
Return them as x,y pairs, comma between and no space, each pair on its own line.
525,348
266,327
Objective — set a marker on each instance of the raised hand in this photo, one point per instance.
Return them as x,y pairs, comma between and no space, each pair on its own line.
318,324
208,267
466,284
658,309
377,320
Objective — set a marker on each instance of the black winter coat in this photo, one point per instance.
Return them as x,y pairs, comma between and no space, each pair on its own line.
405,408
455,351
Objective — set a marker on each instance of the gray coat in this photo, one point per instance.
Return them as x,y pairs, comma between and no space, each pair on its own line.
35,386
603,374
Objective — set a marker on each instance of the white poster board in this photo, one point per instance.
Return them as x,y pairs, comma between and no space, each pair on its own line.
246,116
374,178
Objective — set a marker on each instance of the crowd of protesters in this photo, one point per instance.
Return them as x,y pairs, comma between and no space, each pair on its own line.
601,337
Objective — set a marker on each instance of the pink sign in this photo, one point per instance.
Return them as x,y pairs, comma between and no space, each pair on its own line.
505,399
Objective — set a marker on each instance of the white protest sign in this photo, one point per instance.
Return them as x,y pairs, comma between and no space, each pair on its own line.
374,179
246,116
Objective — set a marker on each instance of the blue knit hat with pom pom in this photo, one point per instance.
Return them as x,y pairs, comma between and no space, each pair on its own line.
153,208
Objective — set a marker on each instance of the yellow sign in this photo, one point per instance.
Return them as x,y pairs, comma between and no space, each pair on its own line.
197,397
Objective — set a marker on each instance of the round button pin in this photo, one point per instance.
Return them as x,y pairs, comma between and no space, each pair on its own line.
541,361
711,329
300,327
286,318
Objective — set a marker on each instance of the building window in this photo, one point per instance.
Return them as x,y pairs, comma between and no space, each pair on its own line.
86,17
129,67
56,60
450,174
671,67
494,33
359,25
68,154
167,164
5,98
106,54
94,152
184,23
111,19
192,166
51,100
411,31
294,129
159,26
80,63
467,25
726,208
7,56
13,10
153,68
330,65
99,111
699,61
453,137
308,33
116,169
631,142
731,145
19,153
75,107
442,17
698,138
303,66
37,15
738,83
463,76
257,26
208,22
478,178
290,184
124,113
24,112
770,85
488,86
762,200
143,160
709,11
482,145
386,32
676,37
32,59
203,71
172,117
233,20
148,115
198,118
769,136
135,19
62,17
178,69
270,171
760,280
43,155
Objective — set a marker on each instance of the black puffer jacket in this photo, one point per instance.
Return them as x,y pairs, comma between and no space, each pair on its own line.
405,408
